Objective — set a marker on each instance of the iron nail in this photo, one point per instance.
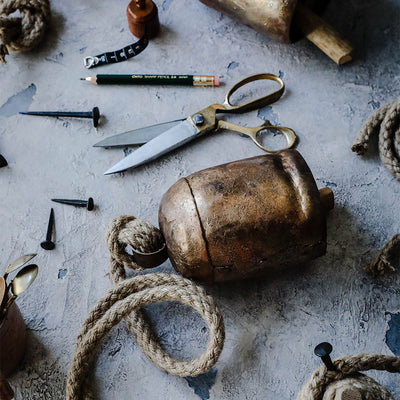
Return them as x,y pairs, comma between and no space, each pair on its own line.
3,162
89,204
323,350
48,244
94,114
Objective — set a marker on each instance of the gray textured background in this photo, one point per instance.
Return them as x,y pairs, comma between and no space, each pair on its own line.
272,325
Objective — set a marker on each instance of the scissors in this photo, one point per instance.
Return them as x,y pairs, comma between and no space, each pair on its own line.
162,138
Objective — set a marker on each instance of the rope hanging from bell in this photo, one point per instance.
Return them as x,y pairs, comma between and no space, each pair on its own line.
126,301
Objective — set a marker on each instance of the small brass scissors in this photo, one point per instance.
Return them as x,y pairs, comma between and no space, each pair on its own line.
162,138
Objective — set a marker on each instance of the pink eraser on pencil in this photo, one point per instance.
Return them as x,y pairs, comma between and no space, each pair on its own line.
216,80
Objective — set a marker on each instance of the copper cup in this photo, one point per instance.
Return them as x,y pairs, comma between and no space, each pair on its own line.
12,340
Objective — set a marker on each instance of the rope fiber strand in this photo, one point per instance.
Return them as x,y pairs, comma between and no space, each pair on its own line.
385,123
349,367
383,261
125,301
25,32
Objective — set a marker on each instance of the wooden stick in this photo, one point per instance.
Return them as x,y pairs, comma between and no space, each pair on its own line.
316,30
327,199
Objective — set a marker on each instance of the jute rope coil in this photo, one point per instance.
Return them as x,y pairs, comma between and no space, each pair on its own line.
385,122
25,32
347,370
125,301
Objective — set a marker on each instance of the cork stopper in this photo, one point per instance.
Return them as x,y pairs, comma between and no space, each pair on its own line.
143,17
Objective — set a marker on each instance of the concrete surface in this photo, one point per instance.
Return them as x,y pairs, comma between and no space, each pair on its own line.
272,325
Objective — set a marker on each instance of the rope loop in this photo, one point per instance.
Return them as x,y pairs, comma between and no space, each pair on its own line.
385,123
126,300
25,32
349,367
126,231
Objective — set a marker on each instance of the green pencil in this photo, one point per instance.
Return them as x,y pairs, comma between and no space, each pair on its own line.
136,79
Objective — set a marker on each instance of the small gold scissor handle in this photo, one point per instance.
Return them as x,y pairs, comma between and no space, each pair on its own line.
254,133
257,103
209,122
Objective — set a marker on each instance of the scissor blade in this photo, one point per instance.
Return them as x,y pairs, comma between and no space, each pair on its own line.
137,136
167,141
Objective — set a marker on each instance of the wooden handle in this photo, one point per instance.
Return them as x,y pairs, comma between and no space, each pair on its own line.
140,3
316,30
327,199
143,17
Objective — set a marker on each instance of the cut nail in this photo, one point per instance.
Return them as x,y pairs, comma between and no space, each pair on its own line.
89,204
48,244
94,114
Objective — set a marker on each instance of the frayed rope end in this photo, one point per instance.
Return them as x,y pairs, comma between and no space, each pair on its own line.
382,262
380,266
360,148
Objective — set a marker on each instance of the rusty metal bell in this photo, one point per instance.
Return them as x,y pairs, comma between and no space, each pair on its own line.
273,17
245,218
287,20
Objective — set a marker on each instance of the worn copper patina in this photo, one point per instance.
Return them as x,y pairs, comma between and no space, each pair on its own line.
245,218
272,17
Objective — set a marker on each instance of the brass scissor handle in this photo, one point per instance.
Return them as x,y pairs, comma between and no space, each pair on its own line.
257,103
254,133
209,122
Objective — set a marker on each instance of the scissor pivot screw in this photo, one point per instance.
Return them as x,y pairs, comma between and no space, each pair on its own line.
198,119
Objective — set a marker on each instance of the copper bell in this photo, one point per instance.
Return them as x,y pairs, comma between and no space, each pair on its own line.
245,219
273,17
287,20
143,17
